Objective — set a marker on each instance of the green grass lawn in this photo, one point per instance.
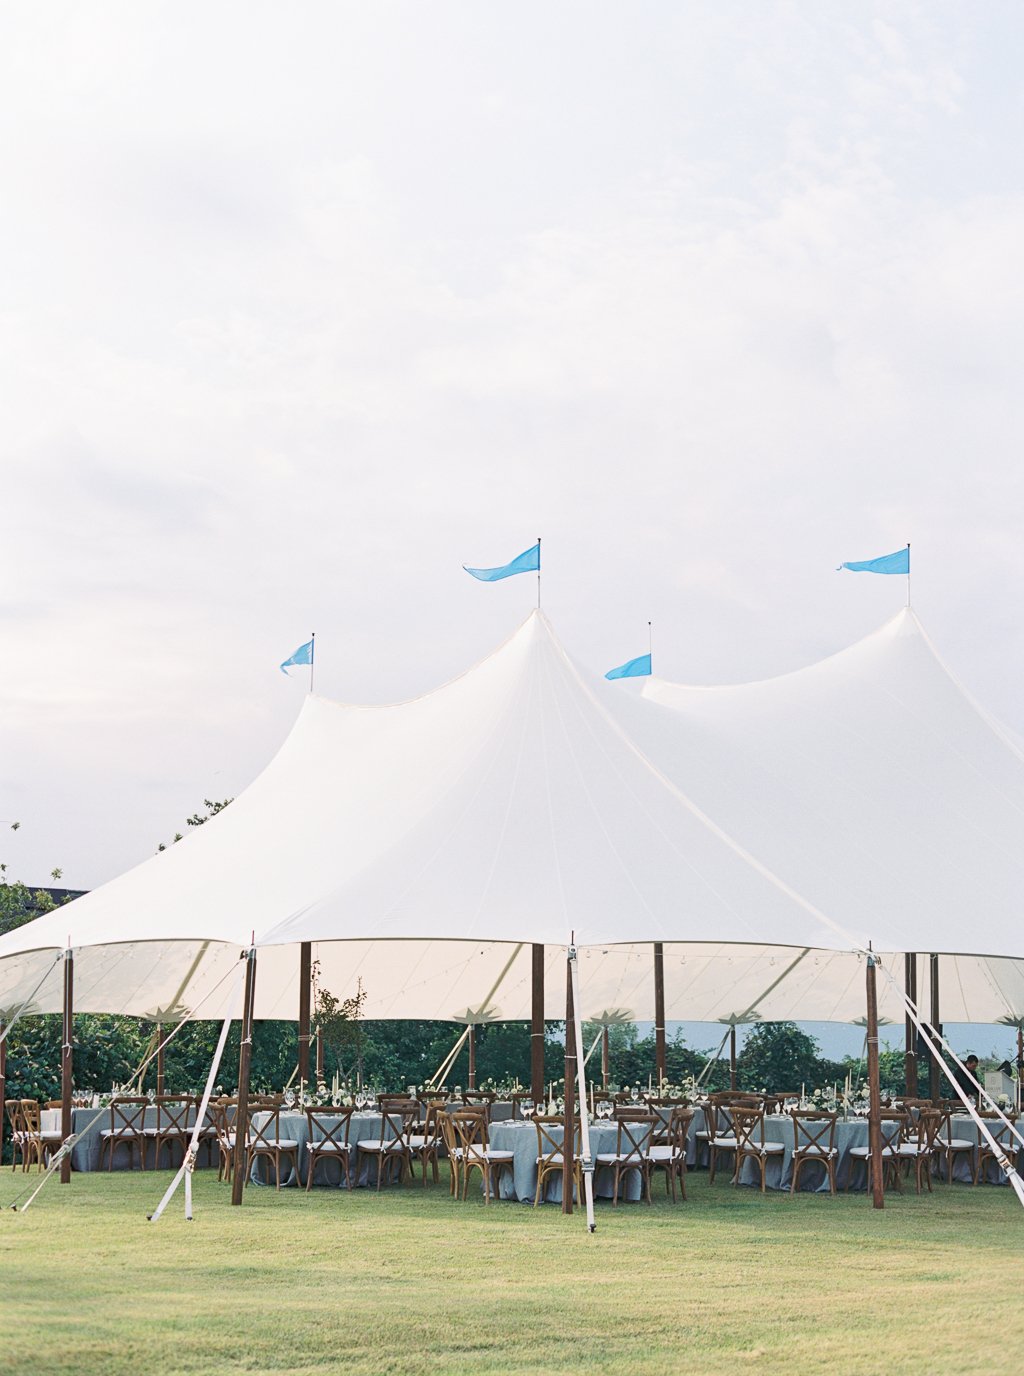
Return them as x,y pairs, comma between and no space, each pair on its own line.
410,1282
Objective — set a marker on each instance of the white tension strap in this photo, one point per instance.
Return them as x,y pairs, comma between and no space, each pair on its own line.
1005,1164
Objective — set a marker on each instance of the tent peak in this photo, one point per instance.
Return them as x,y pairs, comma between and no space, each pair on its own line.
904,623
527,628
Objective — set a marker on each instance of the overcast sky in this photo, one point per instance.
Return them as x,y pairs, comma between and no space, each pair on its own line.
305,306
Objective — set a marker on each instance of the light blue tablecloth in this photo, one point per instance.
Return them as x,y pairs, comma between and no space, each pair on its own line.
779,1173
521,1182
294,1126
85,1154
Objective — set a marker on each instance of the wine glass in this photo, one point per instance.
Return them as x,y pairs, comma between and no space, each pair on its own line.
289,1098
526,1107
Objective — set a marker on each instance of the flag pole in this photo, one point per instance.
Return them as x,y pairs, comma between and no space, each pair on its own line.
538,573
312,655
908,573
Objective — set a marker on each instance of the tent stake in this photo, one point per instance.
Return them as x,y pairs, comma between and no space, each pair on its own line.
244,1063
67,1064
876,1164
537,1025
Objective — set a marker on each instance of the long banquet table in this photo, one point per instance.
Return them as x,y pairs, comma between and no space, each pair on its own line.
521,1139
85,1154
850,1170
293,1125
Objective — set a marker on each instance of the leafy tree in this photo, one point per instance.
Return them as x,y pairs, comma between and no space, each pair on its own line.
339,1026
778,1056
20,904
199,819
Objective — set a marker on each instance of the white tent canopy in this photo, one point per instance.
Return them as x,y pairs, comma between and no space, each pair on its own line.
422,846
871,780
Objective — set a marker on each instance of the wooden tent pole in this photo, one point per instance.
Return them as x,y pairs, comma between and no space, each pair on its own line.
537,1026
935,1079
159,1059
305,976
569,1117
910,1035
67,1062
605,1057
244,1065
732,1056
471,1041
875,1162
659,1011
319,1055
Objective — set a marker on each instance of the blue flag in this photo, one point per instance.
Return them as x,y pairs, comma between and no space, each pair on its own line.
885,563
527,562
633,668
303,655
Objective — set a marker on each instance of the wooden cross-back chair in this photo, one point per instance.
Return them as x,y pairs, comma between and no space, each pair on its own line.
718,1130
37,1144
896,1121
453,1151
550,1149
12,1108
264,1139
475,1154
172,1125
425,1145
328,1141
1006,1142
918,1146
814,1140
670,1155
391,1147
948,1147
634,1140
751,1144
222,1114
127,1129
